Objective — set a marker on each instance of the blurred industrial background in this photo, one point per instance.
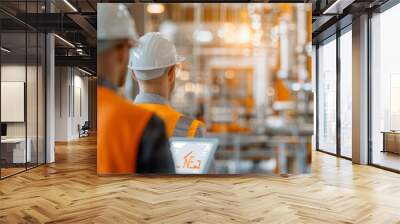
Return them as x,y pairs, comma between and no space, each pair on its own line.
247,76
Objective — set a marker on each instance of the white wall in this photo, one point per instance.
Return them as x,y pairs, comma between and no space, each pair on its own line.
13,73
71,94
80,100
61,103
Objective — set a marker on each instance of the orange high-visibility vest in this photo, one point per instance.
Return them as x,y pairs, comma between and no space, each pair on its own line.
177,124
120,126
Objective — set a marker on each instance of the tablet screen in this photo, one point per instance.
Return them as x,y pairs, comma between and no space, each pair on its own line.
191,157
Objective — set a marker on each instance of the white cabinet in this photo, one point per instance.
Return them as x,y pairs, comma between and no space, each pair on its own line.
15,148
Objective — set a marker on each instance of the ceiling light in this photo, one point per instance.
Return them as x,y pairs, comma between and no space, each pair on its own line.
70,5
78,44
155,8
5,50
337,7
84,71
65,41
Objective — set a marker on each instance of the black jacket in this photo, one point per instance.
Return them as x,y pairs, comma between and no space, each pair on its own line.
154,155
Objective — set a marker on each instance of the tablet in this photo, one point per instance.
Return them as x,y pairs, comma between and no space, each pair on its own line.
193,155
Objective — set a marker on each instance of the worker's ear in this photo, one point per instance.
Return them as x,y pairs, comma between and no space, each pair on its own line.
123,49
120,49
171,74
122,59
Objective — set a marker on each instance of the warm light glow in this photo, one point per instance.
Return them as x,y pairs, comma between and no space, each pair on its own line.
199,88
226,30
155,8
203,36
244,34
229,74
184,75
189,87
235,35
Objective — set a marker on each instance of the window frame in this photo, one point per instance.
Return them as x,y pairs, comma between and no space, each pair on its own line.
334,37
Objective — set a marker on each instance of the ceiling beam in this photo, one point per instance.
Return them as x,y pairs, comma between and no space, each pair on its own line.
337,7
84,24
49,22
76,61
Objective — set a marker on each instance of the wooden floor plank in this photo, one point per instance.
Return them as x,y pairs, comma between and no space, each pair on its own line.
69,191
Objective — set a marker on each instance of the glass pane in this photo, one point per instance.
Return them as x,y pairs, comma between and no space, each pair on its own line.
386,89
31,97
314,74
32,88
22,89
327,97
13,86
41,98
346,94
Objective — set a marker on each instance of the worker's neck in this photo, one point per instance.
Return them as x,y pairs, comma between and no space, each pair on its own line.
155,90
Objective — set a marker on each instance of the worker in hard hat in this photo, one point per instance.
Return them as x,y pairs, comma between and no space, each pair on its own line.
155,64
129,138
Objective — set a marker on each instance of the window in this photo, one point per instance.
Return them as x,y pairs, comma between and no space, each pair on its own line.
385,89
327,96
346,94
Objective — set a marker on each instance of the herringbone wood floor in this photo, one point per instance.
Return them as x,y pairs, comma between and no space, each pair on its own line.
70,192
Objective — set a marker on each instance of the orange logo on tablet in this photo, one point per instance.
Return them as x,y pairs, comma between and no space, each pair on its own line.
190,162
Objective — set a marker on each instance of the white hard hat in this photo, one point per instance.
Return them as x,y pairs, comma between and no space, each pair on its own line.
153,54
114,22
